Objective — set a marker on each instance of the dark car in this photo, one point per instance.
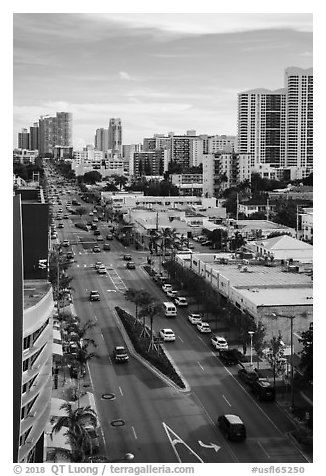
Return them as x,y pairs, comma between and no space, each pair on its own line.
263,390
109,236
94,296
96,249
127,257
120,354
247,375
106,247
232,427
228,357
131,265
97,232
93,226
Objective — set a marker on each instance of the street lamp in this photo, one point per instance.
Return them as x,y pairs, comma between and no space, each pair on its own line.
251,333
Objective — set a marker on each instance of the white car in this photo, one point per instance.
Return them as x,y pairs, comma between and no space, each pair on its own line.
194,318
167,287
91,214
219,343
204,327
98,264
181,301
101,269
167,335
171,293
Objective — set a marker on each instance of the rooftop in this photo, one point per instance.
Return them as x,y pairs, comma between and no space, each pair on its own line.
279,296
34,291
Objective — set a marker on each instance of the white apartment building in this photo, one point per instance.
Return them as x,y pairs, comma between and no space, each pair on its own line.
307,225
88,155
261,125
222,143
24,156
196,152
127,200
208,175
299,117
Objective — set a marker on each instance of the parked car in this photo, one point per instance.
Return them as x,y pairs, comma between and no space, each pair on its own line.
167,335
232,427
131,265
247,374
181,301
120,354
96,249
194,318
219,343
167,287
61,225
204,327
228,357
98,264
65,243
171,293
207,243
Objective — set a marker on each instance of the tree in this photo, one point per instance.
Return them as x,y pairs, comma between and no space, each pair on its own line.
75,421
258,340
120,180
306,362
81,211
152,310
92,177
276,352
237,241
138,297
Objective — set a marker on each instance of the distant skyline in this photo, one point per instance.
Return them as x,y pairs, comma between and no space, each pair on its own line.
158,72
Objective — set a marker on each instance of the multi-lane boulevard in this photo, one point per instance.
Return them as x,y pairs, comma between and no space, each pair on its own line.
144,415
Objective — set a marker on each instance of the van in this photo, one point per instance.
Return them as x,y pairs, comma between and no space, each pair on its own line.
232,427
169,309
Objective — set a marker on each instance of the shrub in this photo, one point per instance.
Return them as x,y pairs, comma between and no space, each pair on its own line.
141,345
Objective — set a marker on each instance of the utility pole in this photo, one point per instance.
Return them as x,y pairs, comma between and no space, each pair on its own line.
237,207
267,209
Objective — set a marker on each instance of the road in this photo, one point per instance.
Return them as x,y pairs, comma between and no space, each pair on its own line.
142,414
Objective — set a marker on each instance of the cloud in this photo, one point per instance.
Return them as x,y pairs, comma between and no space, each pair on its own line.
125,76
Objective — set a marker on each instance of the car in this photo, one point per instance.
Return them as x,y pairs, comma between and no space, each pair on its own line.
191,246
247,374
96,249
101,269
127,257
70,256
65,217
65,243
181,301
204,327
232,427
171,293
97,232
167,287
120,354
167,335
263,390
94,296
91,214
53,236
206,243
93,226
106,247
194,318
109,236
95,219
228,357
61,225
219,343
131,265
100,238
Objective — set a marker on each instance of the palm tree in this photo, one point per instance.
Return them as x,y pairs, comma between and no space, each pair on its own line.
75,420
138,297
153,309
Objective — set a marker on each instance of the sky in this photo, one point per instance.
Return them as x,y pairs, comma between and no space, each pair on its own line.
158,72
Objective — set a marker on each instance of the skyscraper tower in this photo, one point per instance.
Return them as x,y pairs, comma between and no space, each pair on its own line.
261,125
115,135
23,139
102,139
34,136
299,117
47,130
63,129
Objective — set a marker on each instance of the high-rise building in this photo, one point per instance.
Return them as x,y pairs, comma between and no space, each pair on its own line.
23,139
149,144
32,326
261,125
149,163
102,139
115,135
63,132
34,136
299,117
47,131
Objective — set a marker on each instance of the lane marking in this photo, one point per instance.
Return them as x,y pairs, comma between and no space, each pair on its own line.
227,401
180,339
134,432
200,366
261,446
120,389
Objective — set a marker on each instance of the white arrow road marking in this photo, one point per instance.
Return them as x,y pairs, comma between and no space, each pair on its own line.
227,401
177,440
211,445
